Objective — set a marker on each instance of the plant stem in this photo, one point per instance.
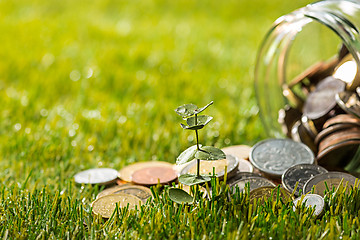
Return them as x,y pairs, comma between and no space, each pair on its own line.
198,167
198,148
196,133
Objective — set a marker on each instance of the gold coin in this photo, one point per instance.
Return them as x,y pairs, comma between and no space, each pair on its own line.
206,167
110,190
239,151
138,191
331,183
126,172
266,192
106,205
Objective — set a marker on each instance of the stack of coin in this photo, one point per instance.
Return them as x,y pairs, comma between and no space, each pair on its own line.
126,195
318,95
338,141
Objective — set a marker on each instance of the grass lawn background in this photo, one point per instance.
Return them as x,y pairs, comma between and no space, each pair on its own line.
88,84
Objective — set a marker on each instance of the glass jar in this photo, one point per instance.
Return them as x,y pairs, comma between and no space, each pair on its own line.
296,41
322,36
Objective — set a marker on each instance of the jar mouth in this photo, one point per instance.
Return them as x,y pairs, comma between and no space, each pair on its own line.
271,70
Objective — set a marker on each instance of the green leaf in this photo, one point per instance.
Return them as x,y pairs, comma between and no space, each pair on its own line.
188,110
192,179
180,196
210,153
187,155
201,121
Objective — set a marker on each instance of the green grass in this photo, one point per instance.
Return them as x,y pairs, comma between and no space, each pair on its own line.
89,84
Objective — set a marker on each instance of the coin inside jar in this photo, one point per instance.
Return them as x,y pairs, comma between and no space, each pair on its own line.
349,102
342,118
311,200
100,176
154,175
300,174
322,100
330,179
338,155
274,156
106,205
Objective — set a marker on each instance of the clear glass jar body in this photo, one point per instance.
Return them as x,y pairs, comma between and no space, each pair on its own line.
339,19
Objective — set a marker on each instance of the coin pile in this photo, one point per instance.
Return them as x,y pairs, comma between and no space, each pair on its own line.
271,168
130,186
324,110
292,164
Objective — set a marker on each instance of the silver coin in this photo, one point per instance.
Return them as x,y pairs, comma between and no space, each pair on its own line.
206,167
311,200
101,176
300,173
241,175
254,183
274,156
332,179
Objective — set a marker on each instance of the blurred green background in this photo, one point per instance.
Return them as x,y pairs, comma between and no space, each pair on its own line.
95,83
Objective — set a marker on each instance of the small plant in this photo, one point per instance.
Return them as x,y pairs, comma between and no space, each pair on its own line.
189,112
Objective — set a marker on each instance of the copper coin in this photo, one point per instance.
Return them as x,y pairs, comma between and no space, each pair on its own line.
121,182
342,118
338,155
154,175
332,129
338,137
321,101
126,172
239,151
349,102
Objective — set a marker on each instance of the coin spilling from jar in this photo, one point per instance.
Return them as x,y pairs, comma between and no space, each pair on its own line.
272,168
323,111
